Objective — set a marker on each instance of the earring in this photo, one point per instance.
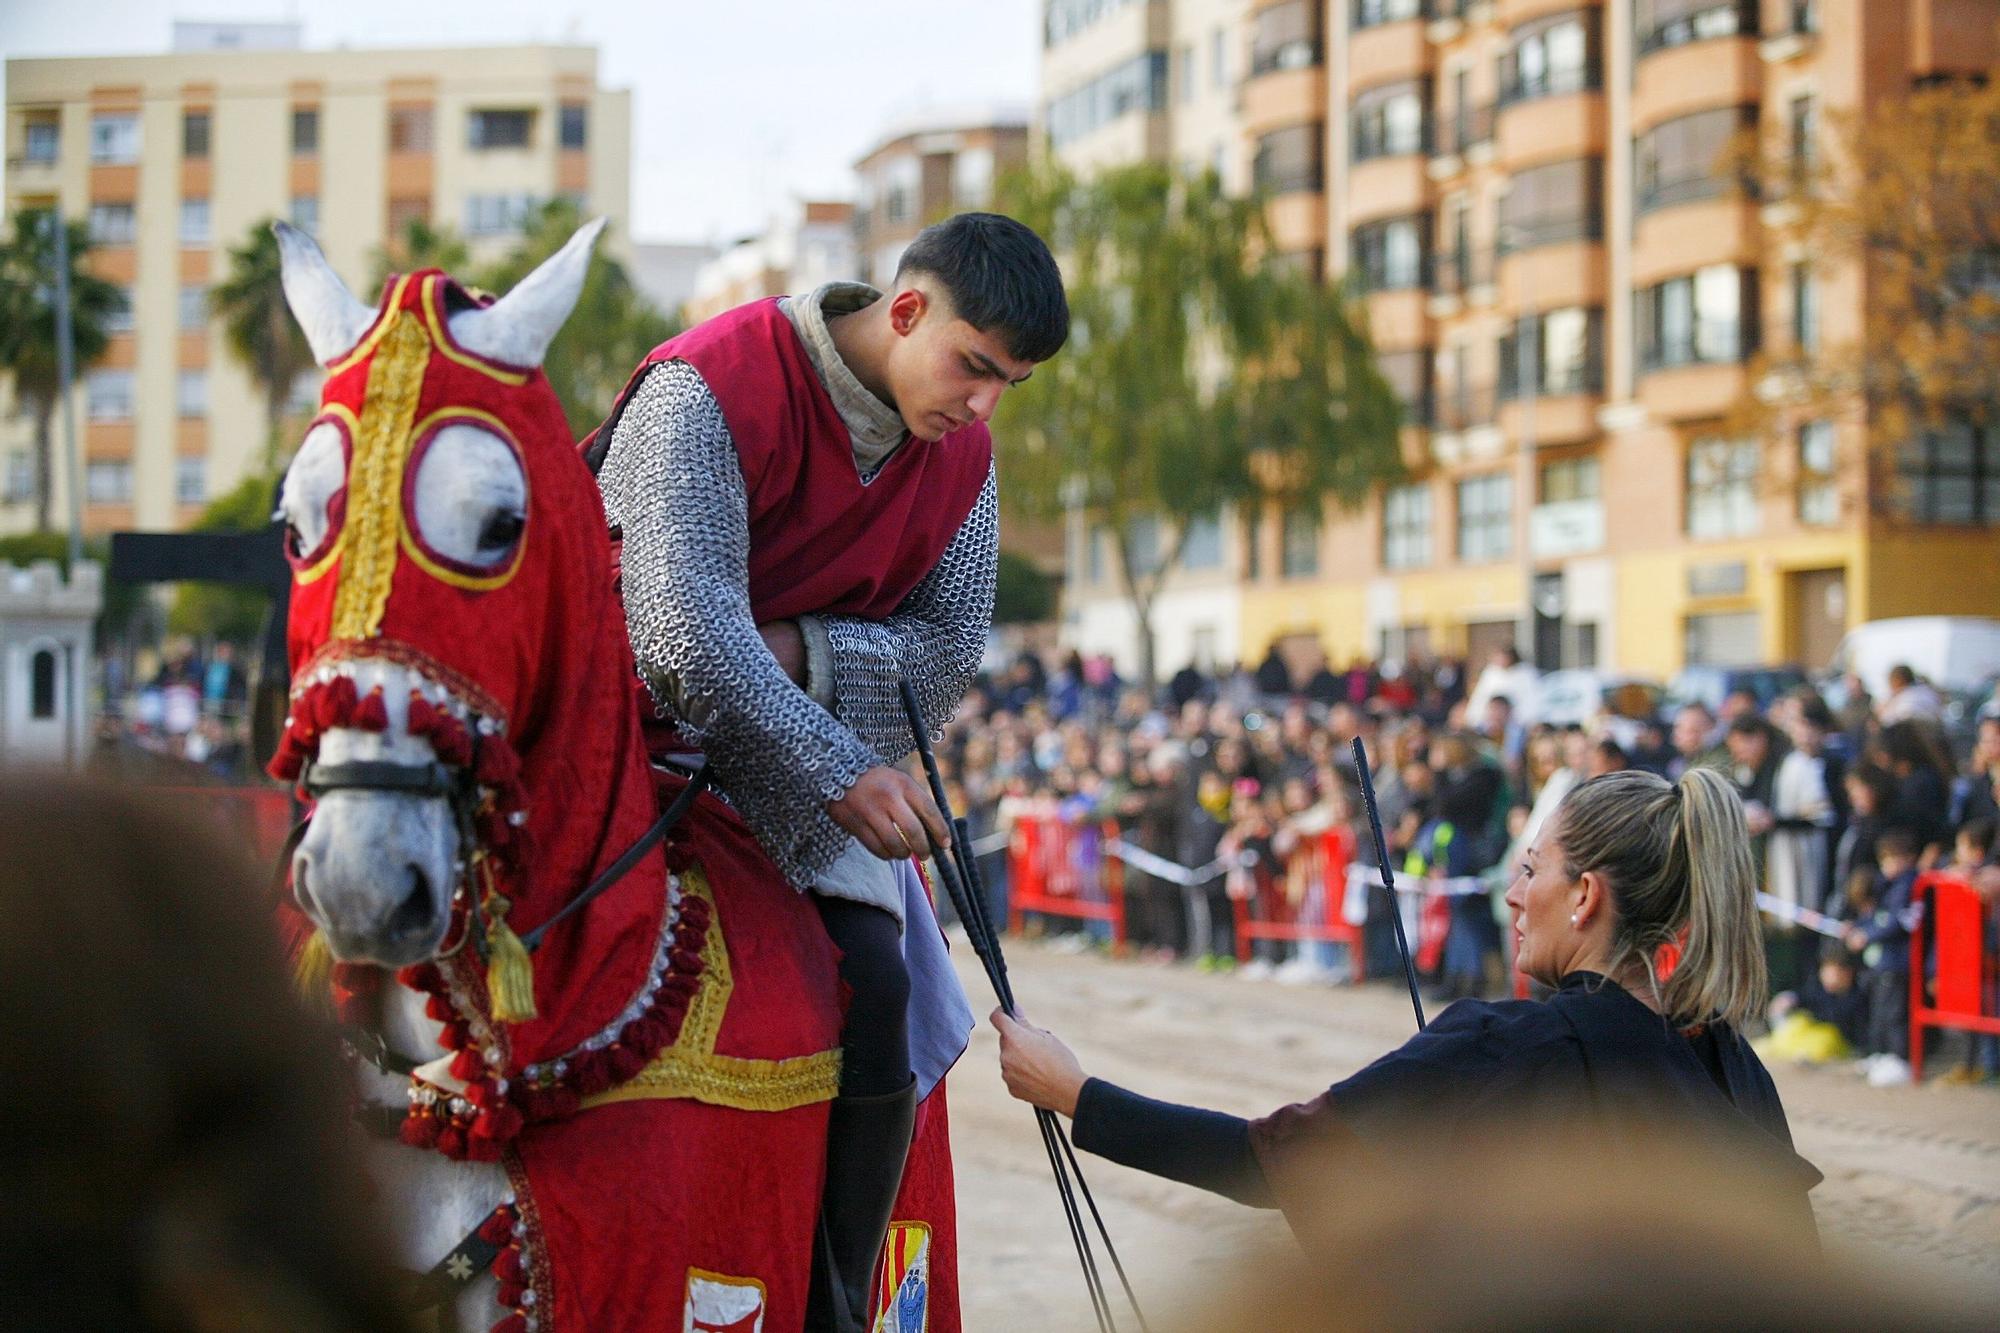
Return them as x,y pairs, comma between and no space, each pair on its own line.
1573,918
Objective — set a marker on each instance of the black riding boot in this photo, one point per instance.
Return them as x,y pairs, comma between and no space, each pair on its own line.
867,1140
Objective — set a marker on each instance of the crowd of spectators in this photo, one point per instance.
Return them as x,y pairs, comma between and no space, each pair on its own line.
191,706
1241,768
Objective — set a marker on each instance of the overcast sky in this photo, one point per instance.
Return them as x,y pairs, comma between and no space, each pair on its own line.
736,105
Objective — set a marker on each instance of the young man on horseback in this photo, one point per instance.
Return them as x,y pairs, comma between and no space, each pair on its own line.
805,492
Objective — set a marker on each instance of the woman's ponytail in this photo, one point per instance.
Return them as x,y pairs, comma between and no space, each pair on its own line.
1721,973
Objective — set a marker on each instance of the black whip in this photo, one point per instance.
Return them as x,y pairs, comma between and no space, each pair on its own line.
1388,875
960,874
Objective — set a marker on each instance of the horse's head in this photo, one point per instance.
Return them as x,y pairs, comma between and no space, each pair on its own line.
433,513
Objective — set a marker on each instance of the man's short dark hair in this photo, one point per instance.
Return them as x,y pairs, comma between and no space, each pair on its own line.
1896,840
999,277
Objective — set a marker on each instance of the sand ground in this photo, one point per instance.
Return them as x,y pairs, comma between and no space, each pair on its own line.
1912,1174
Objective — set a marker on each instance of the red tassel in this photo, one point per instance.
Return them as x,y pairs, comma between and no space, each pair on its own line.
498,764
482,1150
507,1266
499,1228
694,913
497,1125
423,716
513,1323
418,1130
591,1077
644,1034
452,744
421,976
372,713
510,1293
563,1103
456,1036
626,1063
685,961
438,1009
451,1142
286,764
679,857
466,1065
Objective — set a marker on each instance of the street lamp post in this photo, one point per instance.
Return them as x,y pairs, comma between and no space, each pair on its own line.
65,372
1527,377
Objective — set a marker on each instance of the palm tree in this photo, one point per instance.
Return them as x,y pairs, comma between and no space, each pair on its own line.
28,327
421,245
259,326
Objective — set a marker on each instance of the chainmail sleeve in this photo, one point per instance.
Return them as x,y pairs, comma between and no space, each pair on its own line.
934,639
672,482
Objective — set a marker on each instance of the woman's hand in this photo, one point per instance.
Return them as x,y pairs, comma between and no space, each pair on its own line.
1038,1068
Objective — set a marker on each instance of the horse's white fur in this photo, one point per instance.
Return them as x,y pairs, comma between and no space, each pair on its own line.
518,328
317,472
332,320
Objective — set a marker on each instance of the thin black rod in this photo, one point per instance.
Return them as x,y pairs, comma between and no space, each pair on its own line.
1093,1281
1388,876
1098,1218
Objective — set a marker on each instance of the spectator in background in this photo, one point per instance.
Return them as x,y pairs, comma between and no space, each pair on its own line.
222,686
1274,678
1871,792
1913,754
1856,711
1977,794
1508,675
1737,703
1499,725
1909,699
1882,938
1694,742
1607,756
1806,809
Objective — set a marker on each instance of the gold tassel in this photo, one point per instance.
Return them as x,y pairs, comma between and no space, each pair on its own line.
510,973
312,974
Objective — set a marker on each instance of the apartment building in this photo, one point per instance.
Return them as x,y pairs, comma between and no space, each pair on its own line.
809,243
1569,298
941,163
174,158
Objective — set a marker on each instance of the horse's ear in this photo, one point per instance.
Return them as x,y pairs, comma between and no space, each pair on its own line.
332,320
516,330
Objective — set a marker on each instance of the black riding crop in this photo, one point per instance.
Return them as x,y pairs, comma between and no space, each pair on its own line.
1388,875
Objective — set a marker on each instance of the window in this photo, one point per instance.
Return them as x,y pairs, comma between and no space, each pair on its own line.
573,125
1218,58
1552,204
42,685
1567,479
1289,160
194,134
43,139
1722,488
1142,545
1064,19
1567,353
114,139
497,214
1391,120
1409,375
1819,500
191,393
972,178
1094,543
902,180
191,481
1391,255
193,307
1406,527
1185,75
20,484
1298,555
1707,317
1140,84
1675,162
1551,56
194,221
1664,23
1285,37
108,395
305,213
120,320
305,131
1253,540
113,224
1485,518
1371,13
1203,547
1804,139
108,481
499,129
1805,308
410,129
1953,476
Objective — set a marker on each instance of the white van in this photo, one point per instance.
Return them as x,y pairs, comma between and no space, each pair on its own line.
1953,653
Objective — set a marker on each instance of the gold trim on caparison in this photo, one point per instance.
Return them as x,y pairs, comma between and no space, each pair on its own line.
414,549
691,1068
375,331
381,448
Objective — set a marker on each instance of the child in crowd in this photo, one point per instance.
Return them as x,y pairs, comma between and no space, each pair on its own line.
1824,1020
1882,937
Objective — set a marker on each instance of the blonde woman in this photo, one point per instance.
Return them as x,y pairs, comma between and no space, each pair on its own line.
1629,865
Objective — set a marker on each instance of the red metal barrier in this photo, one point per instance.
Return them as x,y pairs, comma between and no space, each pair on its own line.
1060,869
1306,902
1954,917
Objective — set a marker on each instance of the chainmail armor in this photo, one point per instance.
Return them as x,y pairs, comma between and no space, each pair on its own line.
934,640
672,482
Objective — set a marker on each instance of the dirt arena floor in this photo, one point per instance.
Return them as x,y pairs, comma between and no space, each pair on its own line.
1912,1174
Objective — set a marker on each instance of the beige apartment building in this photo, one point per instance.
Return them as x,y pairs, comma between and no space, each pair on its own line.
926,169
1569,298
174,158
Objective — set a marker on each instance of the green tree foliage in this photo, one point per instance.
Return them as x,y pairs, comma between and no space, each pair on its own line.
216,610
259,327
28,327
1200,372
609,332
1024,594
420,245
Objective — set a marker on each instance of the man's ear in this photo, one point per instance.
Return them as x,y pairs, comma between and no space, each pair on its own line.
906,310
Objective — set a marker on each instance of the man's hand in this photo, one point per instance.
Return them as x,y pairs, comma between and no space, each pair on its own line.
782,637
890,814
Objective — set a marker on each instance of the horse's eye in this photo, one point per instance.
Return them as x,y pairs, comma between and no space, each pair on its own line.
502,530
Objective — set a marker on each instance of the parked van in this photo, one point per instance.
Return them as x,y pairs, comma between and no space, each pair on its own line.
1953,653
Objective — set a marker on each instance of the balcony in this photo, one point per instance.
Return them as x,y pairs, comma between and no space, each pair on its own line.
1534,233
1796,33
1651,196
1565,381
1465,407
1708,342
1456,275
1731,18
1557,82
1445,19
1466,134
